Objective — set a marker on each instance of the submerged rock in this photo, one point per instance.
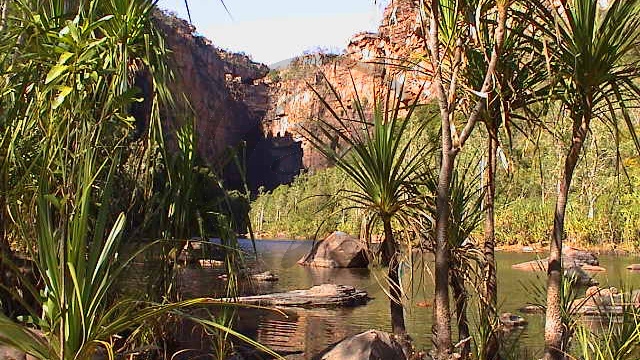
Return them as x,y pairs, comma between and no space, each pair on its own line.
593,268
321,295
338,250
533,265
532,309
369,345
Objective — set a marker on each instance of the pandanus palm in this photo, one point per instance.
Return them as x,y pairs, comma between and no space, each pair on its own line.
384,166
65,101
520,82
594,70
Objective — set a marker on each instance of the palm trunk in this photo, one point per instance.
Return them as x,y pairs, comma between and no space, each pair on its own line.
460,295
554,331
395,290
442,316
490,282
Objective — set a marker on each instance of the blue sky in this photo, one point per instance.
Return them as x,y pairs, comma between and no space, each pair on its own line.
273,30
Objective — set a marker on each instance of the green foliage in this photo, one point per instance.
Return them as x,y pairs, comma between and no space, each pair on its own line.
306,208
616,336
66,94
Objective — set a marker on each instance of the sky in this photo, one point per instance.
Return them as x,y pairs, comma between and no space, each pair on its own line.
274,30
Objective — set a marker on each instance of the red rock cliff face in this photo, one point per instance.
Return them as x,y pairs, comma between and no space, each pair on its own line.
229,98
235,102
215,84
399,44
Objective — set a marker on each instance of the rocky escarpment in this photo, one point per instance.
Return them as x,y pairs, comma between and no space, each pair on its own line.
239,104
372,62
229,98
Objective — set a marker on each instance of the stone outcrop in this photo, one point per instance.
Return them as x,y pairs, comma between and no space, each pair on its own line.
237,102
338,250
369,345
372,63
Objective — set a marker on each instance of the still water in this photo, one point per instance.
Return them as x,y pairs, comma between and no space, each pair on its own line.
310,331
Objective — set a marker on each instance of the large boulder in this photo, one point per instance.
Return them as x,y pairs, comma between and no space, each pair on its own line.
369,345
575,257
338,250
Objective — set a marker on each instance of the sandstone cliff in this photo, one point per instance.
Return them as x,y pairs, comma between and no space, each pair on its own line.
372,61
238,104
229,98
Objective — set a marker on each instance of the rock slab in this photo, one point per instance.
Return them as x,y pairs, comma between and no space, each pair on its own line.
338,250
369,345
321,295
571,257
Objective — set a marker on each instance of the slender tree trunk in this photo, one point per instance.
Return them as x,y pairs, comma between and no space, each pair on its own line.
442,315
490,291
460,295
395,290
554,331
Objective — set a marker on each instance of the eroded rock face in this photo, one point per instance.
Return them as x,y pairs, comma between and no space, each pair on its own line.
369,345
359,72
337,250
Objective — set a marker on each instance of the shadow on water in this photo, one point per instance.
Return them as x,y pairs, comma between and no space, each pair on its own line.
311,330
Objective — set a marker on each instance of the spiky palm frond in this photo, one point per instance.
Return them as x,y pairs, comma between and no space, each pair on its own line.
376,153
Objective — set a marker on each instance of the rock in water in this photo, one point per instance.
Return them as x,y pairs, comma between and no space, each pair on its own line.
571,258
512,320
579,276
598,302
325,295
369,345
575,257
265,276
338,250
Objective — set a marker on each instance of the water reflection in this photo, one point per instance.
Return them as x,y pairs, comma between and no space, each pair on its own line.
311,330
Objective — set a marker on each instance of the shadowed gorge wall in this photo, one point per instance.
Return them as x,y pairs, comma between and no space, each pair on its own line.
229,98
